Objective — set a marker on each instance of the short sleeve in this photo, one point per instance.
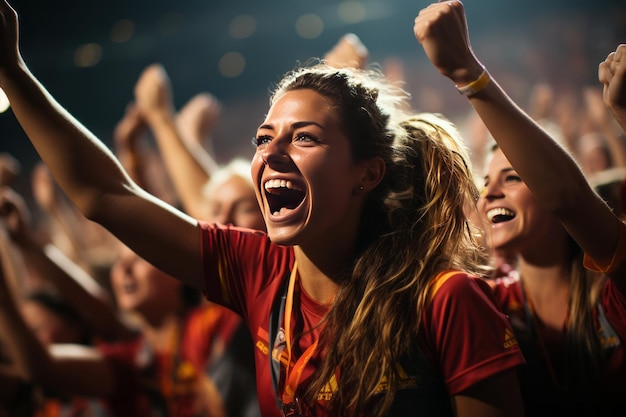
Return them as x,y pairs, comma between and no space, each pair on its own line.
469,338
610,265
239,264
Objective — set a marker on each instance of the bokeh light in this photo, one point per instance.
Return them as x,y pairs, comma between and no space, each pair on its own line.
88,55
309,26
122,31
351,11
232,64
242,26
4,102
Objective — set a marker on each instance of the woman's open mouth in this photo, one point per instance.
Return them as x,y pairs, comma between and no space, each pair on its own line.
282,196
500,215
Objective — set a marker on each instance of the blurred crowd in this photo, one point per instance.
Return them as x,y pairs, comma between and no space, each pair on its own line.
137,327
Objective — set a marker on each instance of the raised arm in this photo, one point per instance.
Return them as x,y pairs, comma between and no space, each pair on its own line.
612,74
189,164
17,396
81,370
88,172
83,292
9,169
605,123
349,51
545,166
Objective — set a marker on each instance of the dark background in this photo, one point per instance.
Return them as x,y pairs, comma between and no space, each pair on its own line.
521,41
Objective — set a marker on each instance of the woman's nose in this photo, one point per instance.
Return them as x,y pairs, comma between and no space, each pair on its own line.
491,191
275,152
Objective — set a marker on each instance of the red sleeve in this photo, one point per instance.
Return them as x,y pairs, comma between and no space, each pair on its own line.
239,264
613,303
128,398
208,331
610,265
468,338
121,357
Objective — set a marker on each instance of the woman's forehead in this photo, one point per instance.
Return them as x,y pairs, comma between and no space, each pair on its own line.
301,104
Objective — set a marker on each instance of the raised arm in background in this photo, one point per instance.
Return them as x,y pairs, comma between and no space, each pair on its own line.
84,371
84,293
606,124
545,166
89,173
9,169
349,51
17,397
139,156
612,74
188,163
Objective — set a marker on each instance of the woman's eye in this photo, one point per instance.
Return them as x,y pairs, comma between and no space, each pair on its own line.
513,178
304,137
261,140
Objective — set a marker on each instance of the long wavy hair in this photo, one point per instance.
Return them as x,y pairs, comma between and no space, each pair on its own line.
585,350
413,226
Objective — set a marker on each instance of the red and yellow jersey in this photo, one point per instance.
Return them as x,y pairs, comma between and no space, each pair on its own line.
173,382
464,338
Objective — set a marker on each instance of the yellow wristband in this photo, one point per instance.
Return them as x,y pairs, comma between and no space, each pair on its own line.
475,86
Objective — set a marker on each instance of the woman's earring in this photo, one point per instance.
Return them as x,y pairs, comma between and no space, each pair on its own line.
356,191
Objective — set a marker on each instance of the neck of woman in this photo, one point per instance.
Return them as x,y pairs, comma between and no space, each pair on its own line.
318,272
547,289
160,336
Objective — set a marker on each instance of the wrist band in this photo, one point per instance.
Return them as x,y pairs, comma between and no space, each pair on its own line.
476,85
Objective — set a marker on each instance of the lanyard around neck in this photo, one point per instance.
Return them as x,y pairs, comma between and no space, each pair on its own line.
293,374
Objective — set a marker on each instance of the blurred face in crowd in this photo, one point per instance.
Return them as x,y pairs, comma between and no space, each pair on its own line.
142,288
233,202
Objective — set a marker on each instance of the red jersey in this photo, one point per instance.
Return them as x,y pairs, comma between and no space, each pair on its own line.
246,272
173,382
552,381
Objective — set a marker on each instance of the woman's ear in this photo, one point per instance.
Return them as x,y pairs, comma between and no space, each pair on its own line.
372,173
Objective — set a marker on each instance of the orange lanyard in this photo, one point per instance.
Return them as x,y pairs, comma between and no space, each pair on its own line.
293,374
